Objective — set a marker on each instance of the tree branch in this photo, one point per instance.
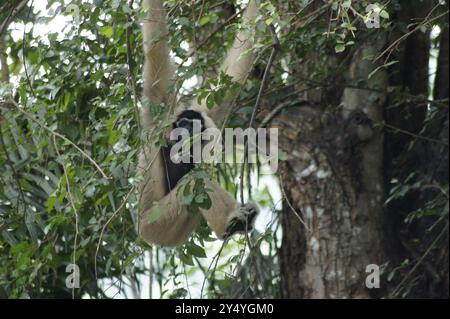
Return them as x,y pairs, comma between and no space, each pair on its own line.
11,16
273,54
45,127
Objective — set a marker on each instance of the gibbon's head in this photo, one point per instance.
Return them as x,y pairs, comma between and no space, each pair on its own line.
195,121
186,120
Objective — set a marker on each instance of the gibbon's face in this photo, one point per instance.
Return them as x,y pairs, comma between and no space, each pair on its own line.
186,120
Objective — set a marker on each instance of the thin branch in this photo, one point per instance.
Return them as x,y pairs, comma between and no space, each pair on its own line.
11,16
131,78
292,207
273,54
269,117
3,27
131,191
211,35
406,35
45,127
419,262
396,129
24,49
75,212
214,261
125,200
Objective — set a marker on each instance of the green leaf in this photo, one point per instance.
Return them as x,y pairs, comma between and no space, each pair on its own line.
340,47
200,198
51,201
384,14
186,259
204,20
282,156
196,250
67,99
107,31
155,213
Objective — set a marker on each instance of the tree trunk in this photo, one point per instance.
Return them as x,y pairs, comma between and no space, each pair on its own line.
333,182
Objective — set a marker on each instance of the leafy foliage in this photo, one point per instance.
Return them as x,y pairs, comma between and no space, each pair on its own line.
69,141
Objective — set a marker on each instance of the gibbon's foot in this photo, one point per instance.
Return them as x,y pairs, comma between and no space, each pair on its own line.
244,221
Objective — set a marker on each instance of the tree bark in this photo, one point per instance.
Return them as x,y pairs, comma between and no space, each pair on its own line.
333,180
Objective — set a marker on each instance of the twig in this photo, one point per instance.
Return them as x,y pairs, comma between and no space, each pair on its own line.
131,78
292,208
273,54
397,42
278,109
115,214
419,262
125,200
214,261
18,108
24,49
212,34
14,12
396,129
66,176
202,8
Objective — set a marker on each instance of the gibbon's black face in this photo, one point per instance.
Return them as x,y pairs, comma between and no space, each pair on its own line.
186,120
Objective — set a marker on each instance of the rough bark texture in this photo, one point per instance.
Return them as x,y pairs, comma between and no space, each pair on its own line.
333,181
341,166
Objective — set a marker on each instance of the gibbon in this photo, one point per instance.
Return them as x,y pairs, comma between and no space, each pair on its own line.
160,174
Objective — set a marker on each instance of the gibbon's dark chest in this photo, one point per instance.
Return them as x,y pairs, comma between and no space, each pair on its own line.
174,171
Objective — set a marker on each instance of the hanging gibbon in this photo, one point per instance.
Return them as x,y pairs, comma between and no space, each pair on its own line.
160,174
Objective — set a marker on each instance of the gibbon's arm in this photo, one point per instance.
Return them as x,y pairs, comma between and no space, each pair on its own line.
175,224
236,64
158,69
